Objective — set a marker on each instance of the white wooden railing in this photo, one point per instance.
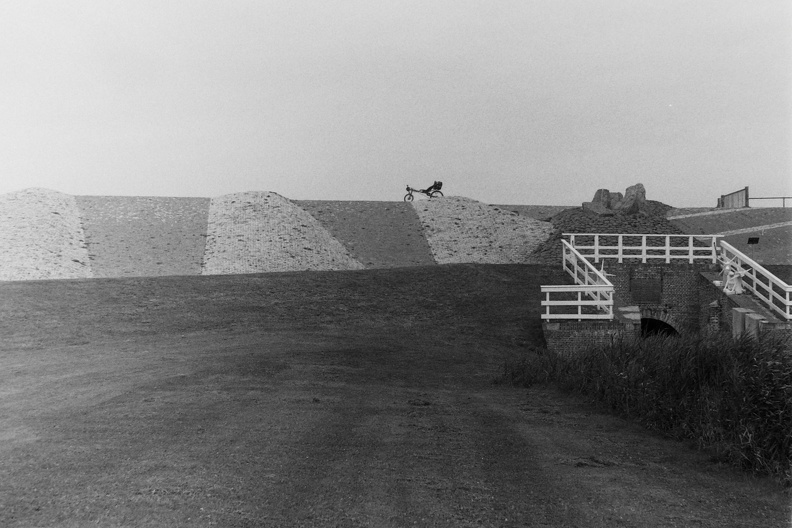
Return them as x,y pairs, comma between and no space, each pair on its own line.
591,297
646,247
772,291
589,283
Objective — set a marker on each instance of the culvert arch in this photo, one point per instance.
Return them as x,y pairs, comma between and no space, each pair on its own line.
656,327
659,322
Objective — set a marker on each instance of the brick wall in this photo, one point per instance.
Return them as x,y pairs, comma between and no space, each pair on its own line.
687,300
569,337
677,286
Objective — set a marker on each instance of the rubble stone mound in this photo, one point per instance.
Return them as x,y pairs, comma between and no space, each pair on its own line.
583,220
41,236
606,203
258,232
463,230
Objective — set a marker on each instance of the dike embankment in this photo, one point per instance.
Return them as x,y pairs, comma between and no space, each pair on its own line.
46,234
51,235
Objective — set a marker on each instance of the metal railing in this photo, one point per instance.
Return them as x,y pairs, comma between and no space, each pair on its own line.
645,247
782,198
568,302
772,291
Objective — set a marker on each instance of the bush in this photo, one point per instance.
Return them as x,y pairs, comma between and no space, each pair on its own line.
731,396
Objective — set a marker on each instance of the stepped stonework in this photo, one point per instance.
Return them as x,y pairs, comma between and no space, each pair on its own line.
463,230
256,232
41,237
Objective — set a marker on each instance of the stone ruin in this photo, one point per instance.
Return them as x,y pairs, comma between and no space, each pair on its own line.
606,203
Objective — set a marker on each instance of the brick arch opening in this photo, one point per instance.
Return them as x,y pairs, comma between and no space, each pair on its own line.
658,322
655,327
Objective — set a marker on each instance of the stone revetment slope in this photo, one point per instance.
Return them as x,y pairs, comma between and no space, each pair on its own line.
256,232
41,237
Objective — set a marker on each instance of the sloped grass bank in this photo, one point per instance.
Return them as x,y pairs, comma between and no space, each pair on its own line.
732,397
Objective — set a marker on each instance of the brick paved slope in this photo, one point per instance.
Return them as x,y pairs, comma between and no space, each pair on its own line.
463,230
41,237
256,232
133,236
378,234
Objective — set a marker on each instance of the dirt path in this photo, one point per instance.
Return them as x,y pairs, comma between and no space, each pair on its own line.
321,399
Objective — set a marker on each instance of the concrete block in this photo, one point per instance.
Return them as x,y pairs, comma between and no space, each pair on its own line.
753,323
738,320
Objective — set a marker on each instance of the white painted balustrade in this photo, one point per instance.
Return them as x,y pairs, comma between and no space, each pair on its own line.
645,247
772,291
591,297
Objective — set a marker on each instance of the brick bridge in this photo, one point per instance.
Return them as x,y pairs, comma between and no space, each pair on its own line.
638,285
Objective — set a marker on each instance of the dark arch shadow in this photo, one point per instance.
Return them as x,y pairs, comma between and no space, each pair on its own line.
656,327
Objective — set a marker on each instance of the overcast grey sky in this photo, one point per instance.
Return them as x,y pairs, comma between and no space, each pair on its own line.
521,102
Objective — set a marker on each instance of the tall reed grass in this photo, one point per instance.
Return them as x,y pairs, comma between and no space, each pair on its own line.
732,396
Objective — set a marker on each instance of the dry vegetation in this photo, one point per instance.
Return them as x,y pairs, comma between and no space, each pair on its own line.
733,397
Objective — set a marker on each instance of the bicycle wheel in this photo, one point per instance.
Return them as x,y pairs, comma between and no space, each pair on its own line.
408,197
436,194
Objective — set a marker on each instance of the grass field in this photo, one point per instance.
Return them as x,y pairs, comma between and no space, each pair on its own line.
360,398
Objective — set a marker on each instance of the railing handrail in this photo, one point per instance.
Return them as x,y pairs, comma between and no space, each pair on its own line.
689,252
782,198
587,264
772,281
755,265
576,287
593,284
683,235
